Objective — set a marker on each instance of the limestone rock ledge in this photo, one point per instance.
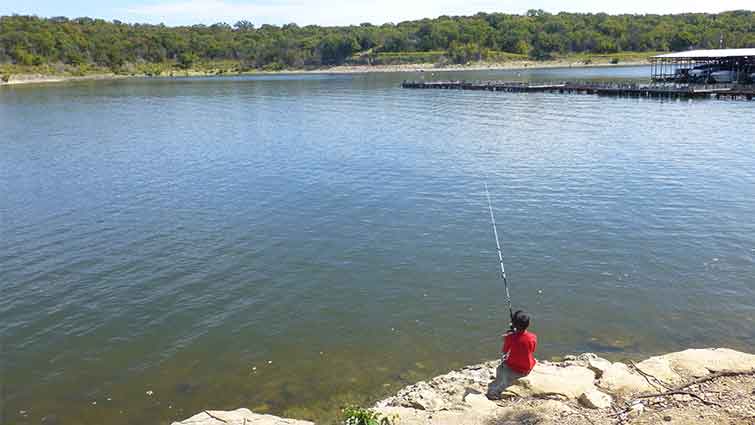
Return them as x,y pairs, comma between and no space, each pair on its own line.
553,391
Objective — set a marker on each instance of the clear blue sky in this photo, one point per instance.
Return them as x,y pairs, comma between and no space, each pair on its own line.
336,12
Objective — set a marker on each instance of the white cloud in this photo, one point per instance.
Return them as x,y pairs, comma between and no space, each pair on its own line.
344,12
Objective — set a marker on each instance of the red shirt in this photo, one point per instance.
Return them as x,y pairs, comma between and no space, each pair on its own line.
521,347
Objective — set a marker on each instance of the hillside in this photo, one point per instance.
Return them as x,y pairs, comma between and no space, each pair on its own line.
84,45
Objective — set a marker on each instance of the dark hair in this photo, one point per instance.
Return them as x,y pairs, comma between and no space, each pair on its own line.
520,320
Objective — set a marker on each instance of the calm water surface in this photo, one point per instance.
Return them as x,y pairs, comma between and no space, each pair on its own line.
293,244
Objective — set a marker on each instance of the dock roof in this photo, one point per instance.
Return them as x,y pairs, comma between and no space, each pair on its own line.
712,53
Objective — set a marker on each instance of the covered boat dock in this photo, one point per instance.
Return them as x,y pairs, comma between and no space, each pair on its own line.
717,66
695,74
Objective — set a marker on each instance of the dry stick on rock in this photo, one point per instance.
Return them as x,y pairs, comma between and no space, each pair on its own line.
215,417
712,376
678,390
668,393
647,377
618,414
551,396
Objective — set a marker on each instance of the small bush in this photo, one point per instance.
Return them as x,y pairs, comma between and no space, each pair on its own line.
442,61
274,66
5,77
187,60
354,415
614,61
151,70
80,70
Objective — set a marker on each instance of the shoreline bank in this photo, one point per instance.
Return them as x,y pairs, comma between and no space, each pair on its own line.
694,386
30,79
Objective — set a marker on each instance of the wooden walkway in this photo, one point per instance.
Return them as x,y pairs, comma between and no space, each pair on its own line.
718,91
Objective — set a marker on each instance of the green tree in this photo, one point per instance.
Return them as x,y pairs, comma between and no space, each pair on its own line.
684,40
87,42
336,48
187,59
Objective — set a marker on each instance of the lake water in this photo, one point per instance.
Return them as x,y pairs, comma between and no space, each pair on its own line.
293,244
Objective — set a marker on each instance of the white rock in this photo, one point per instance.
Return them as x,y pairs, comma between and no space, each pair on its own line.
480,403
660,367
636,410
619,379
422,396
238,417
595,399
590,361
548,379
700,362
599,366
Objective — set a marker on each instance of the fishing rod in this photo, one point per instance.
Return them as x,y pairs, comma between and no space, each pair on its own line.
500,254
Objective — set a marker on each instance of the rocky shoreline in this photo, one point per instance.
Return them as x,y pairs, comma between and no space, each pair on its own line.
28,79
695,386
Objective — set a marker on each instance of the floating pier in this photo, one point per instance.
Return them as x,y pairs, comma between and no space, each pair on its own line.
669,91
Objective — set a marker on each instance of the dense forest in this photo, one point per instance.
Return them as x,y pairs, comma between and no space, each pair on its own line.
31,40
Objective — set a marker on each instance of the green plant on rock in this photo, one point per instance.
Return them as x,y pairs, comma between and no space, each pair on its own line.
5,77
354,415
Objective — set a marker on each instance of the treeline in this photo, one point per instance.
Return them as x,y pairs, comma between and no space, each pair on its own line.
30,40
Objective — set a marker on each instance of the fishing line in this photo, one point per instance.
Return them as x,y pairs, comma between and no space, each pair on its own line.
500,254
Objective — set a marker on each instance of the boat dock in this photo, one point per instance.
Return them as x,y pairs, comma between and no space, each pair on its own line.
668,91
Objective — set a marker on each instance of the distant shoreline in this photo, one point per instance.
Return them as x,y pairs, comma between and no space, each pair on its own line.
505,66
33,79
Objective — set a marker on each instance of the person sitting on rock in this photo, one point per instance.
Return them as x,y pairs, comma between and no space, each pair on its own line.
518,358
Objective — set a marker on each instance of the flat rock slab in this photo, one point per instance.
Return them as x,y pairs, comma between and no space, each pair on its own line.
700,362
238,417
423,396
621,380
677,368
480,403
444,392
549,379
594,399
